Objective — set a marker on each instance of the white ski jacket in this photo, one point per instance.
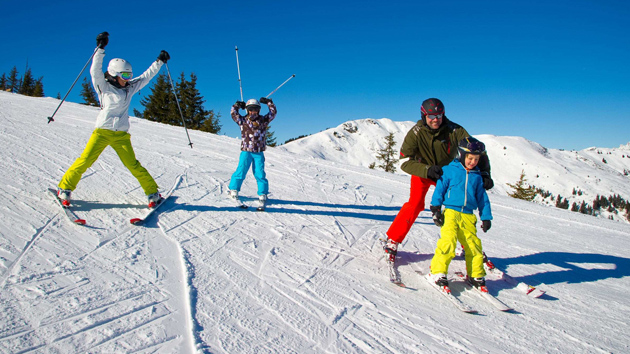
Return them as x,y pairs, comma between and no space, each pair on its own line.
115,102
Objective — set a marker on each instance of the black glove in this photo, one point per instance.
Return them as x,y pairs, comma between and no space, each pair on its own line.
265,100
485,225
102,39
240,104
488,183
164,57
438,217
434,172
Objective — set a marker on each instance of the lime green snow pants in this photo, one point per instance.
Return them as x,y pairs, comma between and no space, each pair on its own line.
463,228
121,143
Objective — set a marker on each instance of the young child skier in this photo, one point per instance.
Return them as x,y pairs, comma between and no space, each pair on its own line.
461,191
253,144
115,88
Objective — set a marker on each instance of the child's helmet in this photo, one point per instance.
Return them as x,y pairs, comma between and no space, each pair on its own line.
469,145
252,103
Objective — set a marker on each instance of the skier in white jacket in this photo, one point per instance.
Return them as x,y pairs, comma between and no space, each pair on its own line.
115,89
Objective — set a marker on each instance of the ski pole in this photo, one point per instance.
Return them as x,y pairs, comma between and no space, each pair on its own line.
287,80
178,107
50,119
238,67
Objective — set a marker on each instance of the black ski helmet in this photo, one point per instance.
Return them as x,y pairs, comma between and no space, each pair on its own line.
469,145
432,106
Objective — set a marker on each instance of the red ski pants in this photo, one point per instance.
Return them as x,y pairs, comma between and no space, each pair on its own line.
410,210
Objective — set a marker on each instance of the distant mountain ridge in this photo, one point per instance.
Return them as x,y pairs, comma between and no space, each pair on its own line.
589,172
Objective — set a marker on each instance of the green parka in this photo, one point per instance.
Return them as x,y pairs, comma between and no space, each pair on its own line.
425,147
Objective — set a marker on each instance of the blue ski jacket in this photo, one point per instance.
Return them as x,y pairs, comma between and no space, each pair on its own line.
462,191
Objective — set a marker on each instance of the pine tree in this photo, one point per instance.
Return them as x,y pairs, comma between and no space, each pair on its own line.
88,94
39,88
27,86
387,155
520,191
3,82
271,139
159,106
13,84
191,103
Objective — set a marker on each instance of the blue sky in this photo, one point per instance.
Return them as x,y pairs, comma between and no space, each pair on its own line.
554,72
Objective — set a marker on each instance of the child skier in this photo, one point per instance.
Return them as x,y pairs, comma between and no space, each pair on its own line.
253,144
461,191
114,88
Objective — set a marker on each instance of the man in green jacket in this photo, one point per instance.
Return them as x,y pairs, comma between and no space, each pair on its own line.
428,146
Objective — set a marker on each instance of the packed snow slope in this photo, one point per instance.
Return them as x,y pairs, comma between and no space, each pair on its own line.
592,171
307,276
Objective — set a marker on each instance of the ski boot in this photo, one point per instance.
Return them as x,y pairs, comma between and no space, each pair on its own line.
441,281
488,262
64,196
479,283
262,201
391,248
154,199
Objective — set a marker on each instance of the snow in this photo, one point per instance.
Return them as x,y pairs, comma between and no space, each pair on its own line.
307,276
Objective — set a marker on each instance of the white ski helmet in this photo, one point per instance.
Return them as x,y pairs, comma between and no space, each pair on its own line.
118,66
252,103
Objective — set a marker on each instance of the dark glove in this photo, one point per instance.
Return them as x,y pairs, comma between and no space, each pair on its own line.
240,104
265,100
102,39
434,172
488,183
164,57
485,225
438,217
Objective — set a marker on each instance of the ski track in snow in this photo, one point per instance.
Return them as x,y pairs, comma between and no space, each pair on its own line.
306,276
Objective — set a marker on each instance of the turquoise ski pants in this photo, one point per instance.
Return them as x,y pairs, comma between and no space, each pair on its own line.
257,161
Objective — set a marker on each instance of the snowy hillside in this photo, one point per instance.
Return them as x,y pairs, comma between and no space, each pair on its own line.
307,276
357,142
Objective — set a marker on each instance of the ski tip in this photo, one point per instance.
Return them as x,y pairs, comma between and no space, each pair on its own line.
536,293
79,221
135,221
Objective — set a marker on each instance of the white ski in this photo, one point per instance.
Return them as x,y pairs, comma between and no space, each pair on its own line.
446,292
523,287
483,292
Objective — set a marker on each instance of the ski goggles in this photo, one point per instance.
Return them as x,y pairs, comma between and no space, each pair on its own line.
126,76
435,116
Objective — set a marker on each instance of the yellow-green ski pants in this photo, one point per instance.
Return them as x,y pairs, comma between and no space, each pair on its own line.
463,228
121,143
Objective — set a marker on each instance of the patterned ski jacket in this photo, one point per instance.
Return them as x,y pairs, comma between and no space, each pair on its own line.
254,128
462,191
425,147
115,100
